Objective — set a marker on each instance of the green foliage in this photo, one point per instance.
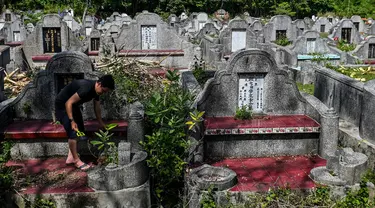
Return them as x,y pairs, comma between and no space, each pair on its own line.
357,73
166,143
318,57
43,203
26,107
308,88
244,113
105,145
6,176
358,198
323,35
284,8
199,72
283,41
208,200
344,46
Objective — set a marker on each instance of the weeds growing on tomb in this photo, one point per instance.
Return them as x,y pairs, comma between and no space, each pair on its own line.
244,113
362,74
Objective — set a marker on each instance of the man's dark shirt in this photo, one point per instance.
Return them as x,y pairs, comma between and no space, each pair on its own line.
83,87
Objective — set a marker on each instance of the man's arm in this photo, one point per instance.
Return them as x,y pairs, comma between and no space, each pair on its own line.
98,113
69,109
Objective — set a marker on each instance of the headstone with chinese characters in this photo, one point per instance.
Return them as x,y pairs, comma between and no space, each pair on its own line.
280,26
148,32
251,78
51,35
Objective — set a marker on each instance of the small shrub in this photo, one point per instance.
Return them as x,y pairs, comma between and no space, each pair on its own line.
244,113
345,46
308,88
43,203
106,145
324,35
283,41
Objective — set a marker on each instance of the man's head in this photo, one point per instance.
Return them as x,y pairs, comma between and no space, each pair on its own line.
104,84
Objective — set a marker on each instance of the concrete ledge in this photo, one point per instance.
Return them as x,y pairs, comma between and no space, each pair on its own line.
138,197
260,145
135,53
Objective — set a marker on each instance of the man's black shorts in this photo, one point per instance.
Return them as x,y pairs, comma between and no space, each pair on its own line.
63,118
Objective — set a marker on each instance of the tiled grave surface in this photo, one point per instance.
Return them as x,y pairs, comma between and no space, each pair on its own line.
43,128
261,125
260,174
50,176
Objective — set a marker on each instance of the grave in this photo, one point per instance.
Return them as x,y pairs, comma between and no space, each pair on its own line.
88,25
365,51
347,31
285,122
371,30
50,36
74,26
280,26
172,20
29,28
14,32
322,25
236,36
110,37
301,26
94,44
8,16
358,23
257,28
33,109
149,37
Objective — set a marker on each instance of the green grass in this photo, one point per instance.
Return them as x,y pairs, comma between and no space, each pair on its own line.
308,88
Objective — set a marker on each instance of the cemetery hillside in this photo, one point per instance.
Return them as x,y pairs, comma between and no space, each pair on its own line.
187,104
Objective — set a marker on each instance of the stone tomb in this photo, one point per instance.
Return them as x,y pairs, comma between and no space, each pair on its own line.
152,38
310,42
285,122
14,31
8,16
51,35
74,26
94,43
322,25
366,50
358,23
237,36
347,31
279,26
301,26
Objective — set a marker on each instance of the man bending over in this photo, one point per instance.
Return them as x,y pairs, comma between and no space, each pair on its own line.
67,109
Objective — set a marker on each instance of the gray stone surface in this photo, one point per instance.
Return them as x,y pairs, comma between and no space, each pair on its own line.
135,131
135,197
130,175
33,45
322,175
367,120
281,96
207,176
322,21
262,145
236,24
345,23
166,39
301,26
352,166
190,83
362,50
279,22
342,93
361,24
300,45
124,153
328,120
13,27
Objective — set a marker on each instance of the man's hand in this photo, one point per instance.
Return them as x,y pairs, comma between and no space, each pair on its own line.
74,126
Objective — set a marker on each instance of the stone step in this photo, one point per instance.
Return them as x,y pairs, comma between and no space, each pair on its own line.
42,138
324,176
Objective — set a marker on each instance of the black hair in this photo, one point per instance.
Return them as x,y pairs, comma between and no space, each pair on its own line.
107,81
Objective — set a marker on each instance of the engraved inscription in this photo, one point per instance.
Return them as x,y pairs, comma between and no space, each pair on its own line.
250,91
149,37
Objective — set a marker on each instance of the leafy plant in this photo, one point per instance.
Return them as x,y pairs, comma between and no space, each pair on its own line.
357,73
243,113
283,41
199,72
345,46
106,145
6,175
308,88
208,200
166,142
26,108
43,203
